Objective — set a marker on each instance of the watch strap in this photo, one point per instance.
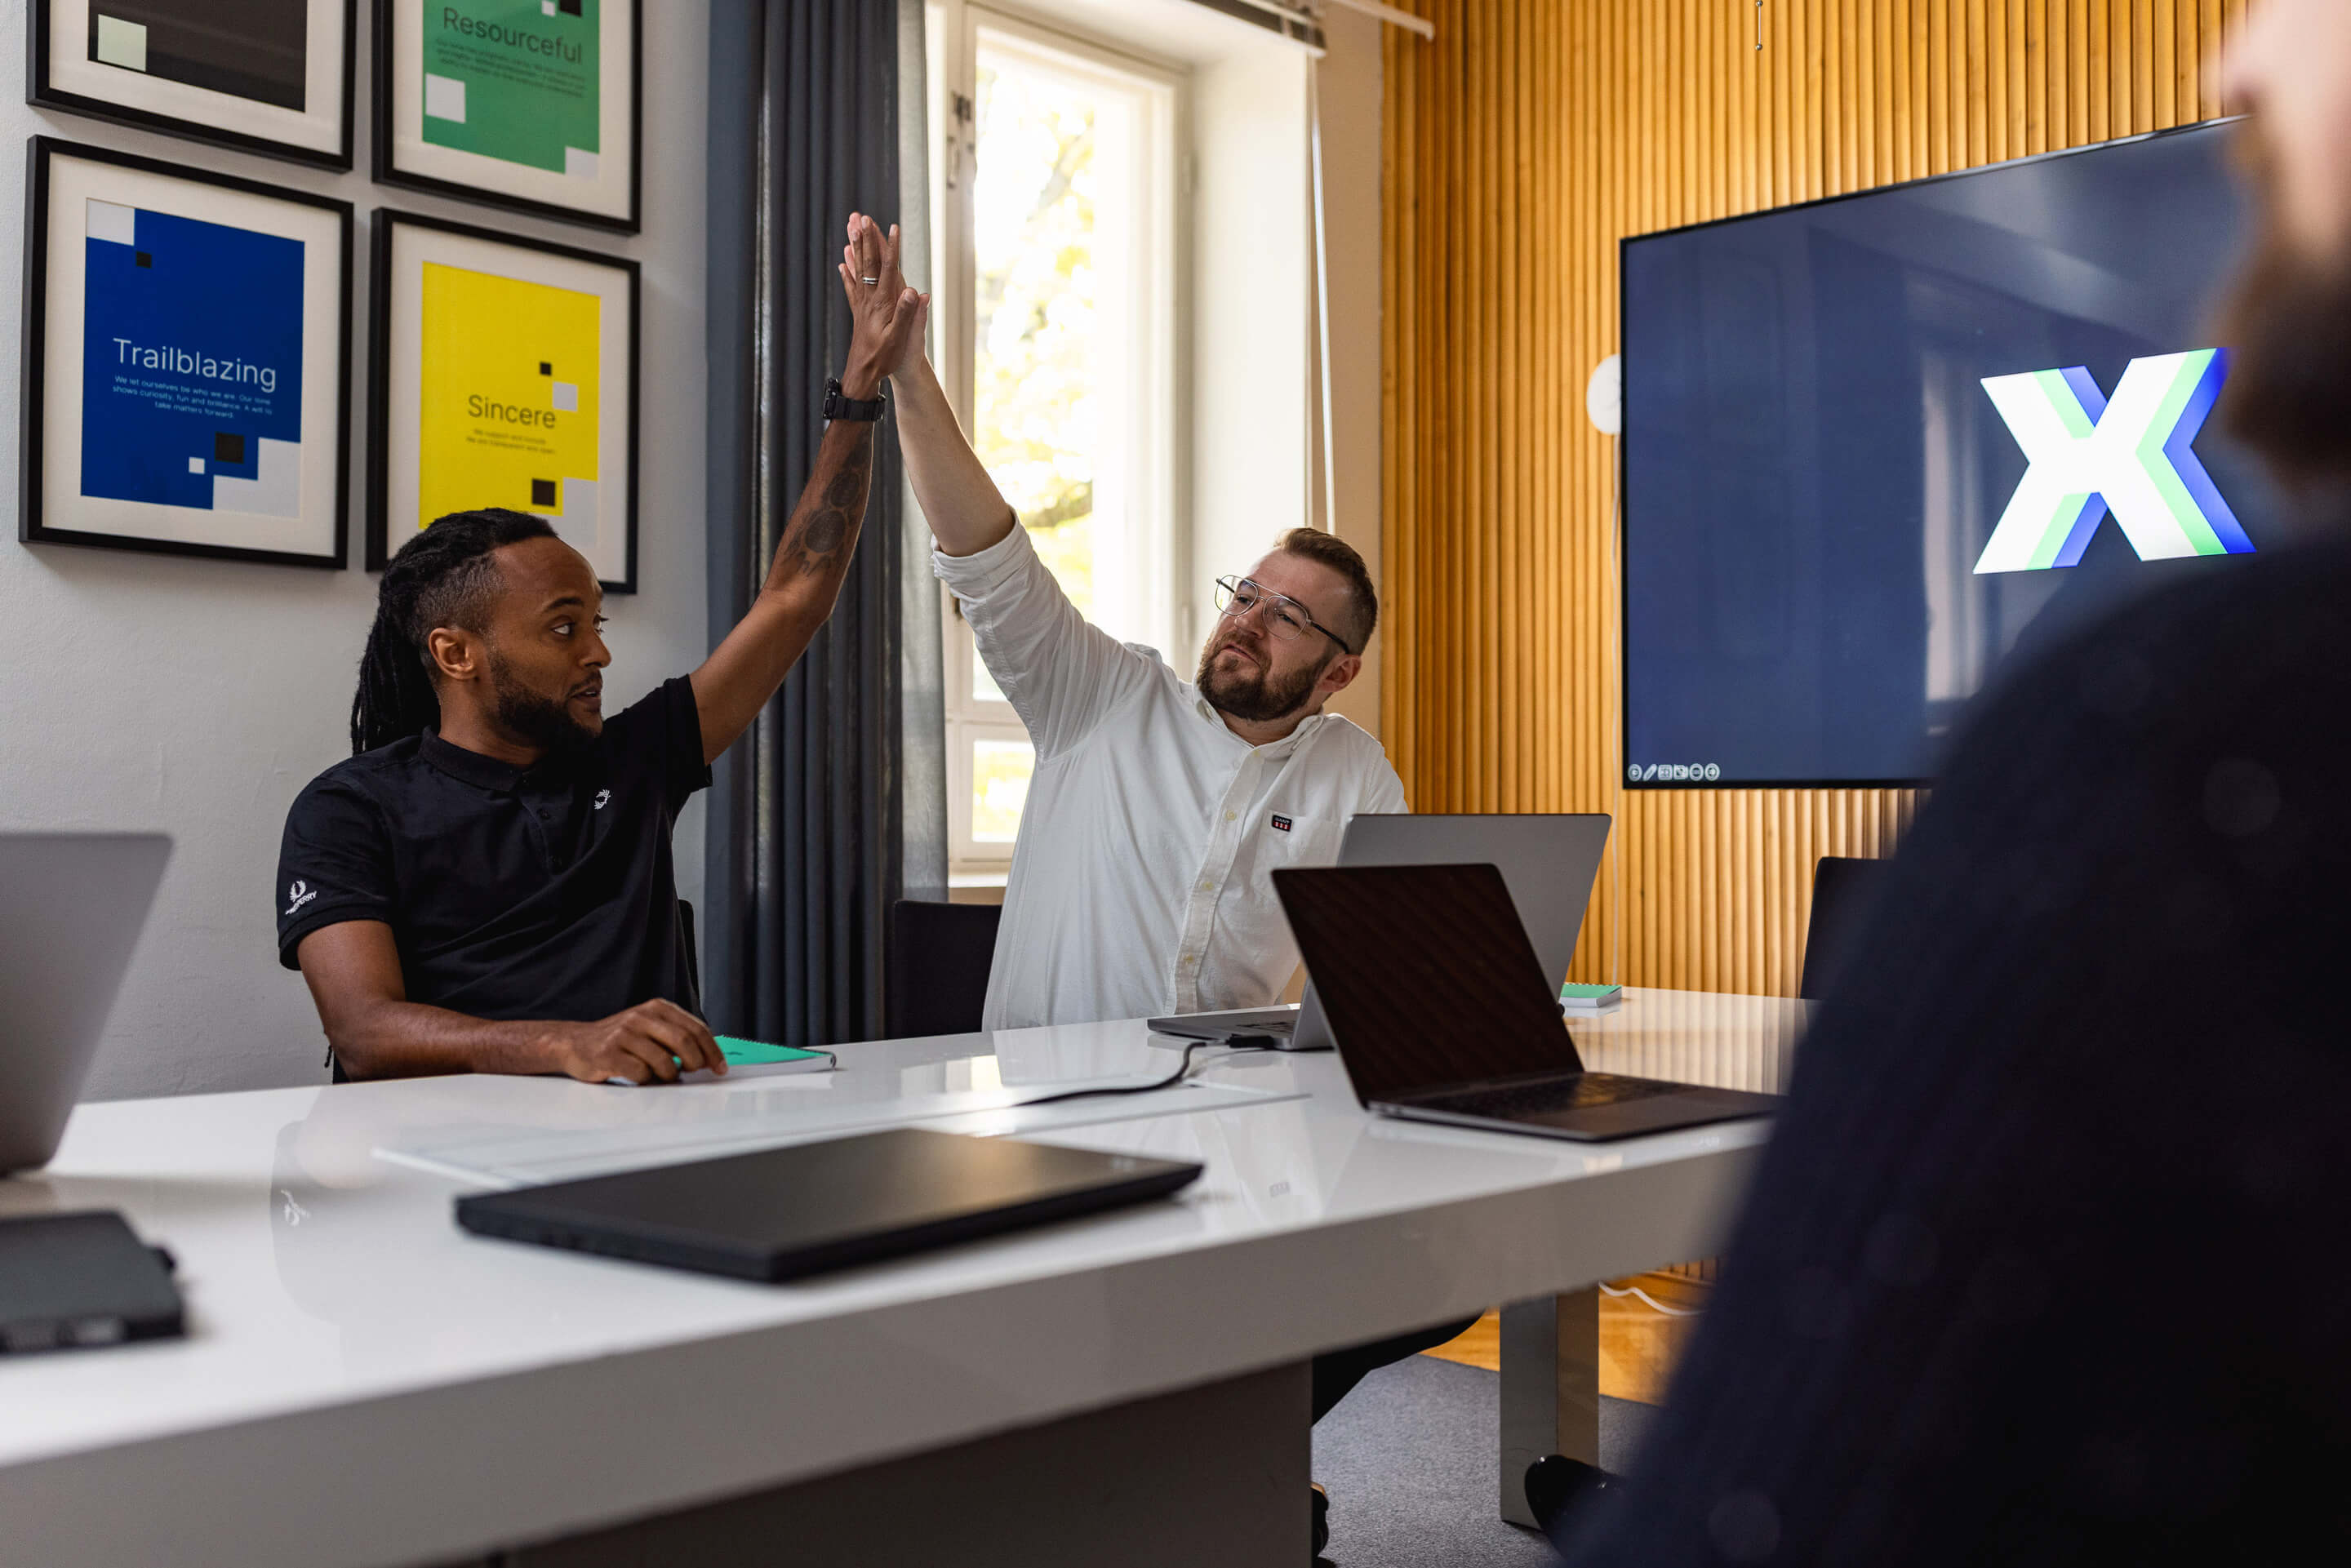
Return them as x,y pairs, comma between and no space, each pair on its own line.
838,406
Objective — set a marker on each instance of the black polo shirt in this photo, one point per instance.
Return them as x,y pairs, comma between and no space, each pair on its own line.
549,893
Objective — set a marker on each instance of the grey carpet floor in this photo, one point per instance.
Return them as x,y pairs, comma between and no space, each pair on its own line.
1409,1460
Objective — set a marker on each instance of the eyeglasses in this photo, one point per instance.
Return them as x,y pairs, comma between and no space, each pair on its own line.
1284,616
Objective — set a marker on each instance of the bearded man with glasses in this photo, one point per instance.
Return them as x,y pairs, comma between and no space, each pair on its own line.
1141,882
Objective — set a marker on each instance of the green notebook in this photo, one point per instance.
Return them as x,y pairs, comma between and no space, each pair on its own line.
1589,999
757,1054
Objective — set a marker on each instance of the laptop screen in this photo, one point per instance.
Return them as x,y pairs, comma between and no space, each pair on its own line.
1425,974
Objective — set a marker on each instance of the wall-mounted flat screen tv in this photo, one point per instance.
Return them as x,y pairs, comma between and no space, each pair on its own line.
1877,448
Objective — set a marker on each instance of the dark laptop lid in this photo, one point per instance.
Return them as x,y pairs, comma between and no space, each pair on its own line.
1425,974
779,1214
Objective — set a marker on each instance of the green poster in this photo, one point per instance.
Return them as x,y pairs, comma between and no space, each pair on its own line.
515,79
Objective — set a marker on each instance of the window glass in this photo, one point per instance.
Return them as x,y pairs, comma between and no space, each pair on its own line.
1054,186
999,788
1052,319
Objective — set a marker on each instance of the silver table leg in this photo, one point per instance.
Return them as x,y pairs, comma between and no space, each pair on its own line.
1550,1389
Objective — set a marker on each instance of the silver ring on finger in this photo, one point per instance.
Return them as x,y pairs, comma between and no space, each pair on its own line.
869,282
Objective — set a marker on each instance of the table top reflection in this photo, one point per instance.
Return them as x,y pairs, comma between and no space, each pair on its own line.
1696,1037
322,1266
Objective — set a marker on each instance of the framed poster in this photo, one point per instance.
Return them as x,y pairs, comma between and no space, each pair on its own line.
532,105
186,354
261,76
503,374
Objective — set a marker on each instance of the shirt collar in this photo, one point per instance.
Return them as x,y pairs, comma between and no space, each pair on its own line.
471,767
1271,748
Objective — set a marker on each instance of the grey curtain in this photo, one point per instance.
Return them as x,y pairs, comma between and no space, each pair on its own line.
808,840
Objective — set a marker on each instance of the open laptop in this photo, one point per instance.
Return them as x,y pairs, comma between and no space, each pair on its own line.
1549,861
1442,1012
71,907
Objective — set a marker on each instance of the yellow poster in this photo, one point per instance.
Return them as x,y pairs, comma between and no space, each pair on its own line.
510,400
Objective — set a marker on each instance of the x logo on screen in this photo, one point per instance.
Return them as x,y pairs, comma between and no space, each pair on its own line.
2132,455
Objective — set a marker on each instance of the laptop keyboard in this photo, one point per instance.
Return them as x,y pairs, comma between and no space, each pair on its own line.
1580,1092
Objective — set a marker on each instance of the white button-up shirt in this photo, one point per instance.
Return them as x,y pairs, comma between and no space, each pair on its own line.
1141,880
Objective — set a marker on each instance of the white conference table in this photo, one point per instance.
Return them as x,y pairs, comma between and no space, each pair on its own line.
362,1382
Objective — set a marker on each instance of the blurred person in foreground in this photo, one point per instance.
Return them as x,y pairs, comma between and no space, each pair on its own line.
2044,1264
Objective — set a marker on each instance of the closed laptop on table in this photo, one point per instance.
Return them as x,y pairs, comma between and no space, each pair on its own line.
781,1214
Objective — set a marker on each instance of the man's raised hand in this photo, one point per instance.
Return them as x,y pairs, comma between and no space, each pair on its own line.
888,315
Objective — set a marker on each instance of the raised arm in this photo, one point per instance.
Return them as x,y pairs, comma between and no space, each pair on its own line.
813,556
966,511
1061,673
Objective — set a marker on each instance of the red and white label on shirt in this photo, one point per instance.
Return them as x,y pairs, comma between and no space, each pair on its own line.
1281,825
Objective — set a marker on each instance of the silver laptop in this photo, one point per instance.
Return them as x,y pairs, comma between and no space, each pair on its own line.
1549,861
71,907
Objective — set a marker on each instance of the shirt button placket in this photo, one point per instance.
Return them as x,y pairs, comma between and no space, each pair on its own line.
1224,843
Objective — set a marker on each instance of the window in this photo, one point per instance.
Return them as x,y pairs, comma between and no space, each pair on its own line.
1054,208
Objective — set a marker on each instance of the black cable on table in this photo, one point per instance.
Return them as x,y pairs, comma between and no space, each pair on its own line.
1182,1071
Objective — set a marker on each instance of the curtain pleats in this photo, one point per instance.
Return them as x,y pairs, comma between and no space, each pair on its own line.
806,826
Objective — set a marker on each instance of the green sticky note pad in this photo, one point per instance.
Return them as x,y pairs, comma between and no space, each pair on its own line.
1573,990
754,1053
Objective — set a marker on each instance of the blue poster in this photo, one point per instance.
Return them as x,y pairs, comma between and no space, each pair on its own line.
192,364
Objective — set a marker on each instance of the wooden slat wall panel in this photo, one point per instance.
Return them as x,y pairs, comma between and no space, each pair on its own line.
1519,146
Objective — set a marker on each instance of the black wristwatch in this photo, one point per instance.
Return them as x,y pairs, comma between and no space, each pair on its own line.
838,407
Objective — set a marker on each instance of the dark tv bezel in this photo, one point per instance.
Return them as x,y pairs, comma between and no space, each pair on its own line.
1623,488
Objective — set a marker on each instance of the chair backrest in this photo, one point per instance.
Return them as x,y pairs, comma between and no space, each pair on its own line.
935,971
1843,890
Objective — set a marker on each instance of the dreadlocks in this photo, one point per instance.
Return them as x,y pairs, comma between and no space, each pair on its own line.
442,577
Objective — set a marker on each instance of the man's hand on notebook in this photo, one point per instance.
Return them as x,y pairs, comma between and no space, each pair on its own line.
655,1041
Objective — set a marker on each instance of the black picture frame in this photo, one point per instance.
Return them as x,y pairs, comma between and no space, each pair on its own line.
387,172
32,494
384,223
43,92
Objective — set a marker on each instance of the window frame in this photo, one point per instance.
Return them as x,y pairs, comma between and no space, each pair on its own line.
1158,433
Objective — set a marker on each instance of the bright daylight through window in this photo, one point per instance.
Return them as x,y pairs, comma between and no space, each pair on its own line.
1064,221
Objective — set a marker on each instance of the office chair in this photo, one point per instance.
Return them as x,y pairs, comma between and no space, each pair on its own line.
1842,891
935,976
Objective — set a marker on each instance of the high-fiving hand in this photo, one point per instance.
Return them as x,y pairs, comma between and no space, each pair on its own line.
888,315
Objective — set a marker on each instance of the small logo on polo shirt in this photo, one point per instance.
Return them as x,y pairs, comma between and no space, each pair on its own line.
300,893
1281,825
603,799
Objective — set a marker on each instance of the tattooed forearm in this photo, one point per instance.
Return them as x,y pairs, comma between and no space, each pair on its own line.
811,563
826,521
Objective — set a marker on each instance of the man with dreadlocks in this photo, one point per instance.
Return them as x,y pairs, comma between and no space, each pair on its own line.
486,884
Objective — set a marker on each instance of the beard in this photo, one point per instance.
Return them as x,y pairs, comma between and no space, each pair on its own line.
1254,699
2288,317
532,716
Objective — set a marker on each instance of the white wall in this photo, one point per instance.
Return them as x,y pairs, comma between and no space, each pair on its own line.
1251,272
197,698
